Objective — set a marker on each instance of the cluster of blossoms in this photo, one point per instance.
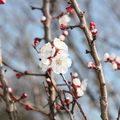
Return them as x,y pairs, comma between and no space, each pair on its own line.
54,56
78,86
78,89
2,1
113,59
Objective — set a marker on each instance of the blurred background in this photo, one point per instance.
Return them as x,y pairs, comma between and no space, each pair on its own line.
19,25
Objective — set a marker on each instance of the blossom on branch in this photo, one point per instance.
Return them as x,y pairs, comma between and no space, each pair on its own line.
64,20
2,1
78,86
54,56
60,64
113,59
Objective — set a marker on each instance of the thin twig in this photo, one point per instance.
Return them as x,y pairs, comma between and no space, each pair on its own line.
10,106
118,114
35,8
25,73
74,99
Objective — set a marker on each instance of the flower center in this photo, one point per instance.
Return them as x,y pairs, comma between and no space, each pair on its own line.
58,62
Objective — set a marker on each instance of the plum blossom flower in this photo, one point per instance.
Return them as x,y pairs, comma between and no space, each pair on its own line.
46,50
114,66
106,57
113,59
91,65
64,20
60,44
54,56
44,64
62,37
78,86
60,64
43,19
80,90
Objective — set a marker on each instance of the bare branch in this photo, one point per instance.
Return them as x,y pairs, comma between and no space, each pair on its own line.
99,71
10,105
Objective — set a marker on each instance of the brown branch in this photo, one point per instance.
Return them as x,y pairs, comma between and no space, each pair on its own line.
47,24
35,8
48,38
10,105
25,73
74,99
99,71
118,114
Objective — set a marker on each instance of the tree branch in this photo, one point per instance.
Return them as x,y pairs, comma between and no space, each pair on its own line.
99,70
10,105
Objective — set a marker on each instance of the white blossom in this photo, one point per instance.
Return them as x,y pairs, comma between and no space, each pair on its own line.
80,90
44,64
117,60
113,56
62,37
106,56
43,18
65,19
65,33
114,66
46,50
60,44
60,64
76,81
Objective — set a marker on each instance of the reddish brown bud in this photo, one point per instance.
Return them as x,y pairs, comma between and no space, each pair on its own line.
37,41
2,1
69,9
24,95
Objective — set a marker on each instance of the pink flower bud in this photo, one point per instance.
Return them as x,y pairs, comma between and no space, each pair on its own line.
10,90
48,81
67,100
19,75
2,1
92,25
28,107
70,9
58,106
75,75
43,19
65,33
24,95
106,57
91,65
63,27
62,37
36,41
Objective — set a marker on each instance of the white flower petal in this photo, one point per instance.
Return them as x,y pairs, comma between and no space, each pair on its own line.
44,64
65,19
106,56
79,92
46,50
60,64
60,44
76,81
114,66
84,85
